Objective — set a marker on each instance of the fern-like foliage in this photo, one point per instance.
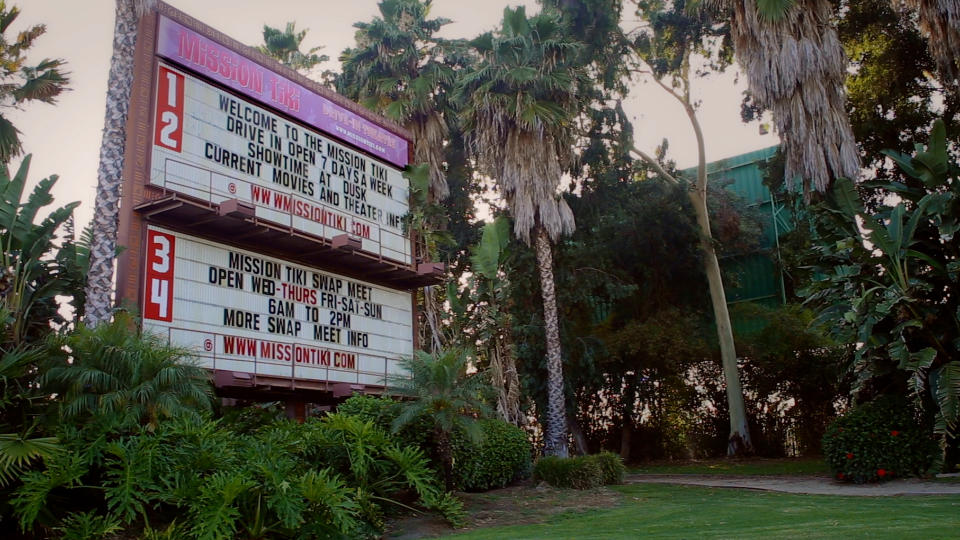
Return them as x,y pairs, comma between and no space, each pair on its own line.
88,526
329,478
215,514
129,482
449,506
408,466
30,501
330,502
173,531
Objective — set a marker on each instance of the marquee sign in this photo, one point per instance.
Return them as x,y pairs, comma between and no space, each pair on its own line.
212,145
194,51
241,311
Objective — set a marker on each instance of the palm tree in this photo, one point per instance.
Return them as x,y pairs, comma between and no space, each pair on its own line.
398,68
441,390
115,374
940,22
796,67
518,106
18,396
284,46
19,82
110,172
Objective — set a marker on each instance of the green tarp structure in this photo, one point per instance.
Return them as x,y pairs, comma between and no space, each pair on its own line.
753,276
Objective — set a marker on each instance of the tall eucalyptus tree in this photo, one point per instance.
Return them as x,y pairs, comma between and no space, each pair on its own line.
665,50
518,105
99,291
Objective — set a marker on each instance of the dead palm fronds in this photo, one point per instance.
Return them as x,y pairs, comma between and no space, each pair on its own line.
796,67
940,23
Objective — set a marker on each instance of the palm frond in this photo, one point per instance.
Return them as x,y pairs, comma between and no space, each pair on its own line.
17,452
796,67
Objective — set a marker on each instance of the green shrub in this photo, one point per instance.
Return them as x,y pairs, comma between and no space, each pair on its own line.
502,456
579,472
382,411
878,441
249,418
611,467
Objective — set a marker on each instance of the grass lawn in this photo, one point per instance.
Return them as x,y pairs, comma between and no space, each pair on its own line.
805,466
665,511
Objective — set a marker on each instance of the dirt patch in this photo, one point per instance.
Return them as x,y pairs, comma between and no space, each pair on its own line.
514,505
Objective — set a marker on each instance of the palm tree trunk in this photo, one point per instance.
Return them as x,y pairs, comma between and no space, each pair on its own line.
739,442
556,428
511,381
99,291
446,456
579,439
432,336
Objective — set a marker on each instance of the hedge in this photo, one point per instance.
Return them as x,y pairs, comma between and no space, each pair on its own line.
879,440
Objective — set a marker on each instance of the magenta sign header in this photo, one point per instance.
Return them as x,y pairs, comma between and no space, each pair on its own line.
191,50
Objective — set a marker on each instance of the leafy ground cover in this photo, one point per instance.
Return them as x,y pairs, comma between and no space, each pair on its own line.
754,466
666,511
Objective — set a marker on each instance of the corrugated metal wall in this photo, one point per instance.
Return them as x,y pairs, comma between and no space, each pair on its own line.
752,277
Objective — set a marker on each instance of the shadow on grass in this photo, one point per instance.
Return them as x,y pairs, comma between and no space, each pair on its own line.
524,503
739,467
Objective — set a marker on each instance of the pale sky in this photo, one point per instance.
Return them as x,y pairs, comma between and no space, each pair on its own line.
64,139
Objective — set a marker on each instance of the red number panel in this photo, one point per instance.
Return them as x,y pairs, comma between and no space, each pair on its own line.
169,124
158,297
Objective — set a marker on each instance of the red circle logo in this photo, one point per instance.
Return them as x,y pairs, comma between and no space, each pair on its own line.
232,188
208,345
